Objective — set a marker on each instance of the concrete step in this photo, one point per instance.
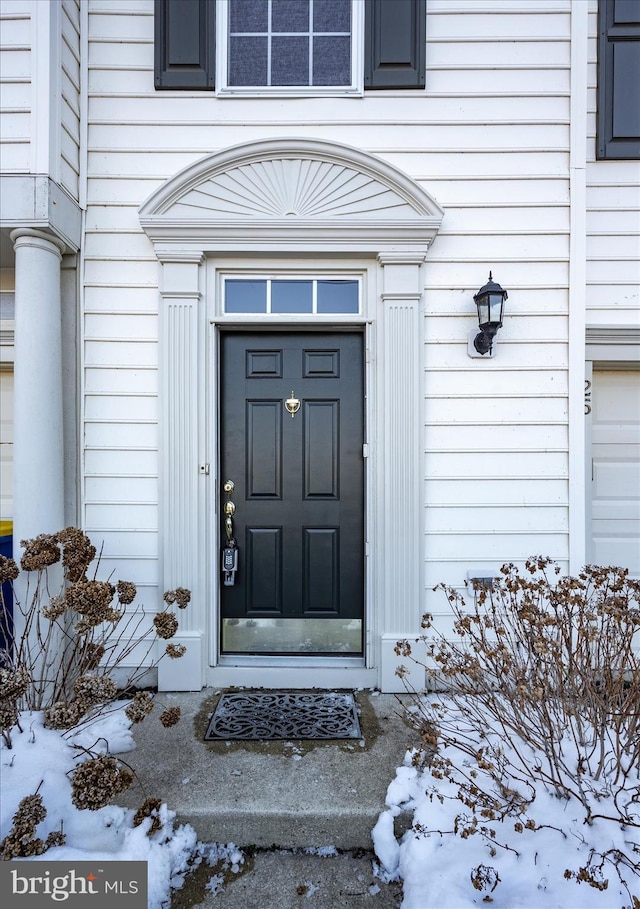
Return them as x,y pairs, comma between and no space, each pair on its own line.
291,880
288,795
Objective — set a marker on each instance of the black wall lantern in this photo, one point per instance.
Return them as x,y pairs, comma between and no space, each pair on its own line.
490,302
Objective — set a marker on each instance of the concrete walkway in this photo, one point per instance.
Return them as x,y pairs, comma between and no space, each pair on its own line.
274,800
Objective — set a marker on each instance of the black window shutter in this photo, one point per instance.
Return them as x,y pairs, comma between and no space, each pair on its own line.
395,35
185,44
619,79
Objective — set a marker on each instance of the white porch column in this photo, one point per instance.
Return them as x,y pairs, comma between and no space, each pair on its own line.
401,536
38,424
182,531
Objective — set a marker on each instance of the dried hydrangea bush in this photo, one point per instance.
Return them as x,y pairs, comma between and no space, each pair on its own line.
546,664
59,657
69,642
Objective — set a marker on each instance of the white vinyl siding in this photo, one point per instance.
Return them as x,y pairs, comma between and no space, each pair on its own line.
15,86
496,433
613,223
489,139
70,98
40,132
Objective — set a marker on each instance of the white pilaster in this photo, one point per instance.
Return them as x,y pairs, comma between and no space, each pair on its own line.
38,417
401,536
181,497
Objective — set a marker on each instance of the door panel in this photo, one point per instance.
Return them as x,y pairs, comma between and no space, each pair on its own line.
299,491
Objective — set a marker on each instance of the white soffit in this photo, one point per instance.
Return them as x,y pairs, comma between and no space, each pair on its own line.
292,190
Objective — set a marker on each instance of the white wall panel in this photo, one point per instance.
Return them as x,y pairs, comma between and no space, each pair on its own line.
119,434
121,353
120,462
505,191
112,407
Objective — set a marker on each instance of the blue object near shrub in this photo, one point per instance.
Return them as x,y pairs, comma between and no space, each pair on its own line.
6,621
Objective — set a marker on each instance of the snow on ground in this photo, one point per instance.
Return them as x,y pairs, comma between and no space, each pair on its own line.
41,759
518,870
435,866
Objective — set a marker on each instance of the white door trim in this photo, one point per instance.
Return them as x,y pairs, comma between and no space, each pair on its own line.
370,211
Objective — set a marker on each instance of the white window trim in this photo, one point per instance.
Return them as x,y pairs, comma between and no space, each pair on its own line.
356,89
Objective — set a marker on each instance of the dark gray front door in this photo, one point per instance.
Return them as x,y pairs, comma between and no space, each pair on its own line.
298,491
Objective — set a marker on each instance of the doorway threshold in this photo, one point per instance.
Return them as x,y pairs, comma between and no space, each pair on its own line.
291,673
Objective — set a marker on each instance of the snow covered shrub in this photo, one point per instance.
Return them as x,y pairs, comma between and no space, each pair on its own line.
68,644
532,746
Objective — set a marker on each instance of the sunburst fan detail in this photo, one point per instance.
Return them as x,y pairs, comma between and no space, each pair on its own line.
292,187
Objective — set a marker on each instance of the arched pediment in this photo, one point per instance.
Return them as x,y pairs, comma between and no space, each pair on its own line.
291,187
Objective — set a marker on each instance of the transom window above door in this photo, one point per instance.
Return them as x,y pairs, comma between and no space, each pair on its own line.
291,296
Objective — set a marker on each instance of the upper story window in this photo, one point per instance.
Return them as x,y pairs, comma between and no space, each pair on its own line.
289,46
618,79
280,43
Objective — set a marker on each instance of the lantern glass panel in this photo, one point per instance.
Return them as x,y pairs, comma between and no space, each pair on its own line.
482,302
495,308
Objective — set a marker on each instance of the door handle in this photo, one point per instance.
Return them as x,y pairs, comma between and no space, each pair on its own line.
230,550
229,510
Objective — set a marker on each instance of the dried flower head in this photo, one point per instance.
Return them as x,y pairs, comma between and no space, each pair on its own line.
91,656
149,808
77,553
94,689
13,683
8,715
140,706
40,552
166,624
62,715
54,608
175,651
170,716
92,600
96,781
9,570
180,596
126,592
21,840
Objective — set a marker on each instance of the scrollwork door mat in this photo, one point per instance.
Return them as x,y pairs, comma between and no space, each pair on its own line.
266,715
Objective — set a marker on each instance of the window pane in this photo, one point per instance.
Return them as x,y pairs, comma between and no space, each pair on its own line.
337,296
248,15
291,296
290,16
290,61
332,61
247,61
332,16
245,296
